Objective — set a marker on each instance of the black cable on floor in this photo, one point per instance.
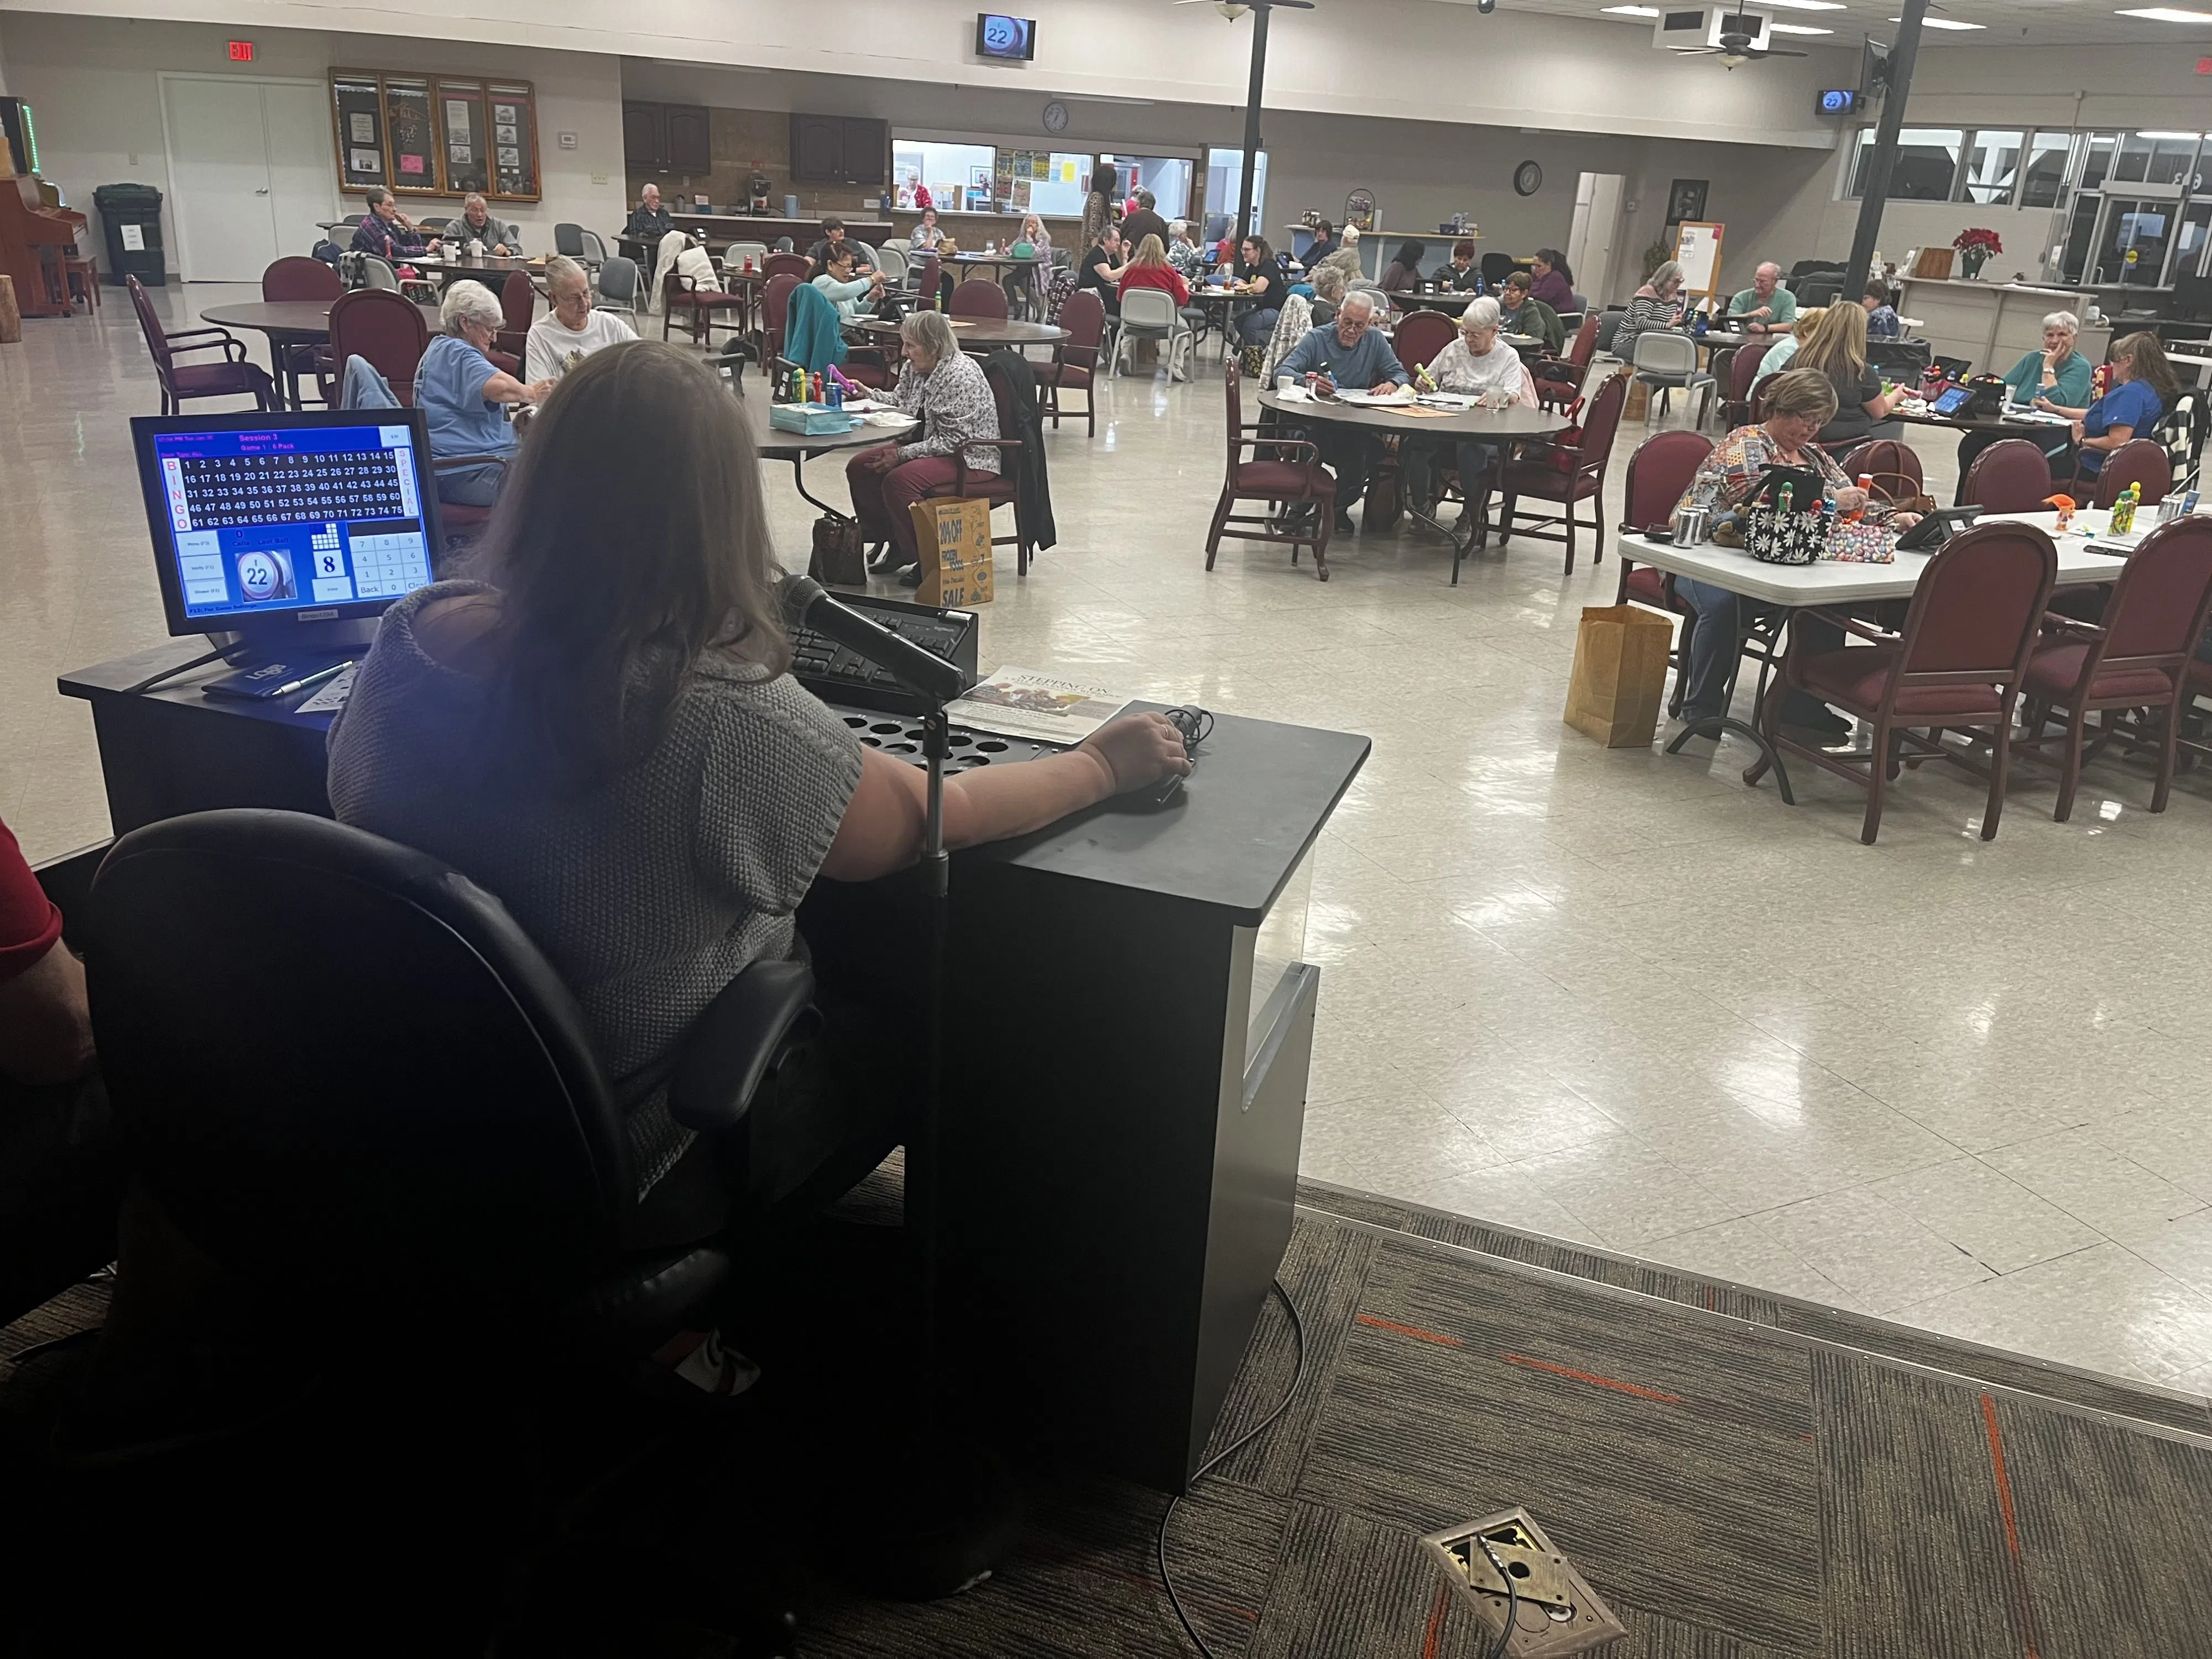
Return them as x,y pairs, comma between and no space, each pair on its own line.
1512,1598
1160,1546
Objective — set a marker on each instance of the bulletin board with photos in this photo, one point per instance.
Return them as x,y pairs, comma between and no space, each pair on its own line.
435,136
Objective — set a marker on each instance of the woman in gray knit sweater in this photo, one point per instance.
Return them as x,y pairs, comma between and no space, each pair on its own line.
603,732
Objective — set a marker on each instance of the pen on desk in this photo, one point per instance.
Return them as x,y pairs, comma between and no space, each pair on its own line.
307,680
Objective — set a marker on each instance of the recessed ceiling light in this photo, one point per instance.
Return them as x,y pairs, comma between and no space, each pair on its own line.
1794,29
1808,5
1631,11
2168,15
1942,23
2184,138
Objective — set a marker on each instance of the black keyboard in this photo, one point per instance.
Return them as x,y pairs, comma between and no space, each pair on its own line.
835,674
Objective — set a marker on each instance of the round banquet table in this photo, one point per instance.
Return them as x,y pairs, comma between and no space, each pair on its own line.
288,322
776,444
1414,420
1450,301
996,261
980,333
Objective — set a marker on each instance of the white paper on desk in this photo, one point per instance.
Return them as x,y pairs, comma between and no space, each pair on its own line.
1404,394
2036,417
886,417
1021,703
1294,394
331,696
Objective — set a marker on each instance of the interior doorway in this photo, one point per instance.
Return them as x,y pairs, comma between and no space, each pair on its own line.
250,171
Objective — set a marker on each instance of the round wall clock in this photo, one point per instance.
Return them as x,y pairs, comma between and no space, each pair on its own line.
1528,178
1055,117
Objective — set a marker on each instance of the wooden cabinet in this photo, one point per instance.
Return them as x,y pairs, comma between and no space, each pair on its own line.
668,137
645,134
691,146
839,149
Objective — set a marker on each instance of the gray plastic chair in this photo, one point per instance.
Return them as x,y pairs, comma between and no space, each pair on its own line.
1665,361
595,249
891,261
1150,313
618,284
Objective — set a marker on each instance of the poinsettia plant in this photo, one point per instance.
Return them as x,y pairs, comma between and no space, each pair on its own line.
1984,240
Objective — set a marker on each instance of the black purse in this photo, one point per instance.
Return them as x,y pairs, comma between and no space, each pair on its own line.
840,560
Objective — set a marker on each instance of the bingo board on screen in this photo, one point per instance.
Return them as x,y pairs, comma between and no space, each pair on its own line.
262,520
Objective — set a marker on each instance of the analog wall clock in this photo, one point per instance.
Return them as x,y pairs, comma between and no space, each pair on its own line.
1055,117
1528,178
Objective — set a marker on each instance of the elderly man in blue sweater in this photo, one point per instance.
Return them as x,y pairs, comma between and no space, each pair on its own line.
1352,353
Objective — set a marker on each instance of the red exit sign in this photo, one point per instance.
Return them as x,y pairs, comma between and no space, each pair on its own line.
241,52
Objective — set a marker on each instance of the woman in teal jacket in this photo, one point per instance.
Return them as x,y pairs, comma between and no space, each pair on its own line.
2056,377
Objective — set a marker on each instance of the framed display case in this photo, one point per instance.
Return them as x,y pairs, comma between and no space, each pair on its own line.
435,136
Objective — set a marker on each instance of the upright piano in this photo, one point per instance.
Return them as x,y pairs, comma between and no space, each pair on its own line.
36,235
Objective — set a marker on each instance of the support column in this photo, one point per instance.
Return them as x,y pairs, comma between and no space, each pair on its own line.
1901,54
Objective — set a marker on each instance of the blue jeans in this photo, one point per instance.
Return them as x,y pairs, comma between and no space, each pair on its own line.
1718,619
477,487
1473,460
1257,327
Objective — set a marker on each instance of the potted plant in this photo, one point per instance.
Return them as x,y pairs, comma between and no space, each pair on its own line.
1975,247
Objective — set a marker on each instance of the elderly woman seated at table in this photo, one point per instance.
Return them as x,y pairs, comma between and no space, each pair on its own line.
1328,293
1656,307
2057,375
944,385
1475,363
853,296
1798,405
1525,314
462,394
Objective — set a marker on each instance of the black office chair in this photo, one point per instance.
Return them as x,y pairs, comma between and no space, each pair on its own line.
351,1079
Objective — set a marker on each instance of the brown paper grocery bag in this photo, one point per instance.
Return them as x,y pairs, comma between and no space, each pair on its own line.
953,534
1620,674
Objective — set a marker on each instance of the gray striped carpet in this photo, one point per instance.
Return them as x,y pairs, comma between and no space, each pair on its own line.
1741,1477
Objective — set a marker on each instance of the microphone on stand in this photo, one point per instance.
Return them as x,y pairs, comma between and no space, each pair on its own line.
807,604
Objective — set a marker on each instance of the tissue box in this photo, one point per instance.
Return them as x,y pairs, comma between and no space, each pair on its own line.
811,418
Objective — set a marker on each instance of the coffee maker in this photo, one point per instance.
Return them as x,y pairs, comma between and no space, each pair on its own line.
757,189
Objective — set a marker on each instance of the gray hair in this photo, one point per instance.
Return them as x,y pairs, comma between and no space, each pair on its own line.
475,198
1359,296
560,267
2065,319
1328,283
1178,228
1481,312
1766,266
1146,200
931,331
470,302
379,193
1669,272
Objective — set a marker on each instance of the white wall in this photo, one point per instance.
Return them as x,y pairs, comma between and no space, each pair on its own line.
1408,58
92,83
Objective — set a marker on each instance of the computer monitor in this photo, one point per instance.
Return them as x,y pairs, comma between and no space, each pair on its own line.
267,525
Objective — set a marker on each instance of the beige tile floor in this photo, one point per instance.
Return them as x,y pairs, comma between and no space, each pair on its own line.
1611,996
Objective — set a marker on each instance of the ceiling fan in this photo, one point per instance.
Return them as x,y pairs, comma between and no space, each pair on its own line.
1233,9
1734,45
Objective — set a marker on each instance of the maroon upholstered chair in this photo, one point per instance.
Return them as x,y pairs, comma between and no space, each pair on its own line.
1566,474
1074,365
1743,369
518,299
233,377
2008,477
385,328
2139,460
296,277
775,311
980,298
788,265
2139,656
703,309
923,273
1585,345
1957,664
1658,472
1894,467
999,488
1280,469
1421,335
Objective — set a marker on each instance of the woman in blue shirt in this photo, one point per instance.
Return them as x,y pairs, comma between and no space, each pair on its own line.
853,296
2143,388
461,392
